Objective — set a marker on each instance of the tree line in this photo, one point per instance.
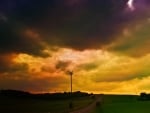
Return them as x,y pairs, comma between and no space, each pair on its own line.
50,96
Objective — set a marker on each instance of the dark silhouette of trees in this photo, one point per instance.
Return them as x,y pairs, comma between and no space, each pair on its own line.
46,96
144,96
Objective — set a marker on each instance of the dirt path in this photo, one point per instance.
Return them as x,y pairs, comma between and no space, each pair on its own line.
89,108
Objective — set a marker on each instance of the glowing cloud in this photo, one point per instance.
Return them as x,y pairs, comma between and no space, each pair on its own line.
130,4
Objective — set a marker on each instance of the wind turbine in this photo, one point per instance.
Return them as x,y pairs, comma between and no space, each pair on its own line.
71,74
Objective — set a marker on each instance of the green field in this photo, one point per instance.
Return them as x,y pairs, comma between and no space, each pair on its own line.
122,104
41,106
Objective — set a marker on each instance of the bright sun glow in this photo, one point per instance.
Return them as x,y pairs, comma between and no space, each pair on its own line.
130,4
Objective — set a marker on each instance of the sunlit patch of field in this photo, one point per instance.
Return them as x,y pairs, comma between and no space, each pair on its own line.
123,104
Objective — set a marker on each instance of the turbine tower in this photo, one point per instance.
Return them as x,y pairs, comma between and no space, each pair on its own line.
71,74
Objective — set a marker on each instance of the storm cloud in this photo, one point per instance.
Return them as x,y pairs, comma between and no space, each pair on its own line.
84,24
78,25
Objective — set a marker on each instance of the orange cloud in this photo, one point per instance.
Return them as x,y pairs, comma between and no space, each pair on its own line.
101,71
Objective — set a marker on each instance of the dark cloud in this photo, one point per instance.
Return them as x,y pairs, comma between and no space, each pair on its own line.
33,85
136,43
62,65
8,66
5,62
122,77
87,24
65,23
13,40
88,66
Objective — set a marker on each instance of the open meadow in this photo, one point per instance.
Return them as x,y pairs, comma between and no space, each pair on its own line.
122,104
42,105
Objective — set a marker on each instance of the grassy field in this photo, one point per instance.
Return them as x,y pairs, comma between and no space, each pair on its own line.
41,106
122,104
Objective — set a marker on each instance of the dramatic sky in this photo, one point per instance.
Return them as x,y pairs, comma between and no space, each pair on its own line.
106,43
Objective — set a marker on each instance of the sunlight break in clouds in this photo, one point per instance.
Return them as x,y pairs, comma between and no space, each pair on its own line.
130,4
102,71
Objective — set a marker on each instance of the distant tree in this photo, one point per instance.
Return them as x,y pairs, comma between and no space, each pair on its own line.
144,96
